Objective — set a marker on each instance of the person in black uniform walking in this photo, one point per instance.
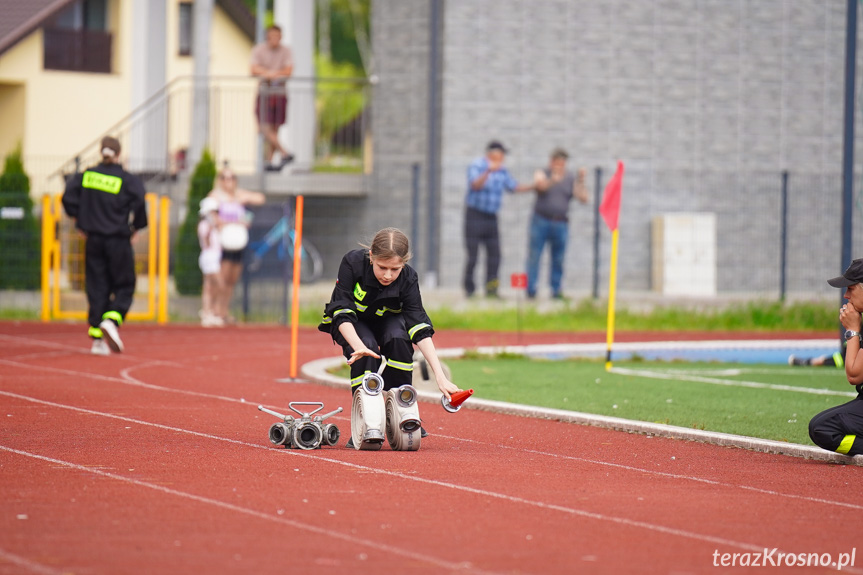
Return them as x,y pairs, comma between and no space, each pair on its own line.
107,204
840,428
376,309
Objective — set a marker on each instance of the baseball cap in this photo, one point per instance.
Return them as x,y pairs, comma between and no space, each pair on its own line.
852,275
209,205
110,146
496,145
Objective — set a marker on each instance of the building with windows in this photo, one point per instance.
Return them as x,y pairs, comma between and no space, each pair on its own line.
73,70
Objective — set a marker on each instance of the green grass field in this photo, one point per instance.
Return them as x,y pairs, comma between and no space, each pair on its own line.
766,401
592,315
757,400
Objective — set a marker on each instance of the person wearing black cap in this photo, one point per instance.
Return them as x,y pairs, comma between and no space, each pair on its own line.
840,428
107,204
487,179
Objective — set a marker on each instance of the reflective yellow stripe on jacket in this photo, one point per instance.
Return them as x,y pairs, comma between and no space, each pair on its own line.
386,309
412,331
403,366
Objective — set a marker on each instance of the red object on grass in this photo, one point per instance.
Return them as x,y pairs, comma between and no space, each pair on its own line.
609,209
518,281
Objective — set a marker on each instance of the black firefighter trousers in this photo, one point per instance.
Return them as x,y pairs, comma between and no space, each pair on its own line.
388,337
840,428
110,276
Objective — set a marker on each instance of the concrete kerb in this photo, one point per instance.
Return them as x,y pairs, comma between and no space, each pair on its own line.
318,371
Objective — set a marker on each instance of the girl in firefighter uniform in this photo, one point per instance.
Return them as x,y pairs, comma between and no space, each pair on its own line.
376,309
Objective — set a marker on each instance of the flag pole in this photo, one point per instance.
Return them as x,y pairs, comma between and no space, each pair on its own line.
609,209
612,289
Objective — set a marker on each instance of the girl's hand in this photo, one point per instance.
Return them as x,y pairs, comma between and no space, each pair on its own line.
362,352
446,387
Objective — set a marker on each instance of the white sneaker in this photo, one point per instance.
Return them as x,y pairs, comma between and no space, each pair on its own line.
100,347
111,335
210,320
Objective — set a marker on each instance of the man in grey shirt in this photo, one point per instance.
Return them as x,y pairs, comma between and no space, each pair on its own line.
555,187
273,63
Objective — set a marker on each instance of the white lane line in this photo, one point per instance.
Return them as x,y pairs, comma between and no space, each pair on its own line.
729,371
728,382
316,371
491,494
40,355
125,378
582,349
658,473
129,380
61,371
689,478
81,350
348,538
30,566
71,349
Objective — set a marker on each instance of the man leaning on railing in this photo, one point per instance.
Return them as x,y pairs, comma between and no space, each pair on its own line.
273,63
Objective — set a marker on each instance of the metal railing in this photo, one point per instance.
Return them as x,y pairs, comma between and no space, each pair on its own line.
329,119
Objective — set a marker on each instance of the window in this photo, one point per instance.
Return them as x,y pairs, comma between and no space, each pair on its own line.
77,39
185,29
83,15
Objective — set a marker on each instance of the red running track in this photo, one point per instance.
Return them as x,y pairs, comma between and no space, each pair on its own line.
157,461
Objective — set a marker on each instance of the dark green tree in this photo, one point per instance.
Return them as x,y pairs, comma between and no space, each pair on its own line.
19,232
187,274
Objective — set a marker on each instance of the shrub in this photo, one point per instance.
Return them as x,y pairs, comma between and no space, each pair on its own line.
19,232
338,104
187,274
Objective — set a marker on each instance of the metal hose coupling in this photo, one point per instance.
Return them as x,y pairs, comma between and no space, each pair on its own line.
373,383
305,432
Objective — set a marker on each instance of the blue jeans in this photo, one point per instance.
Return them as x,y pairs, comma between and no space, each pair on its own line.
555,233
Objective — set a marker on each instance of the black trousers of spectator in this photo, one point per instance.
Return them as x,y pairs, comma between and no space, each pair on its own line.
386,336
840,428
110,275
480,228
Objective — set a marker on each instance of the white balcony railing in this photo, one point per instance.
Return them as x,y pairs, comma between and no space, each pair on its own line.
326,116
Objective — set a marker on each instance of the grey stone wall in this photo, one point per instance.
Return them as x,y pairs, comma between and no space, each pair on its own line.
399,115
706,102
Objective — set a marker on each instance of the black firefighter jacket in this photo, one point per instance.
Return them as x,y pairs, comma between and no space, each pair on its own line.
102,199
359,296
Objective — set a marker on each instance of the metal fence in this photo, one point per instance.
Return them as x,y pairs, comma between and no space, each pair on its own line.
776,234
773,237
328,128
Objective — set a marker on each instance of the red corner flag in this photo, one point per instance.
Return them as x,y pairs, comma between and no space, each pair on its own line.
610,206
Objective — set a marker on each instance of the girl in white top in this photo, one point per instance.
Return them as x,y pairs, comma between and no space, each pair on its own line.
210,262
232,212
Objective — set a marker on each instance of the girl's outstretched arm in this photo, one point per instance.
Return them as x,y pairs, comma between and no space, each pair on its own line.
352,337
426,347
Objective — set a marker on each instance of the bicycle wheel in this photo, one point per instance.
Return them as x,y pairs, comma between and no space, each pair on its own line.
312,264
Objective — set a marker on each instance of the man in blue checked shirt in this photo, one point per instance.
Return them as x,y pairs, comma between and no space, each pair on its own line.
487,180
